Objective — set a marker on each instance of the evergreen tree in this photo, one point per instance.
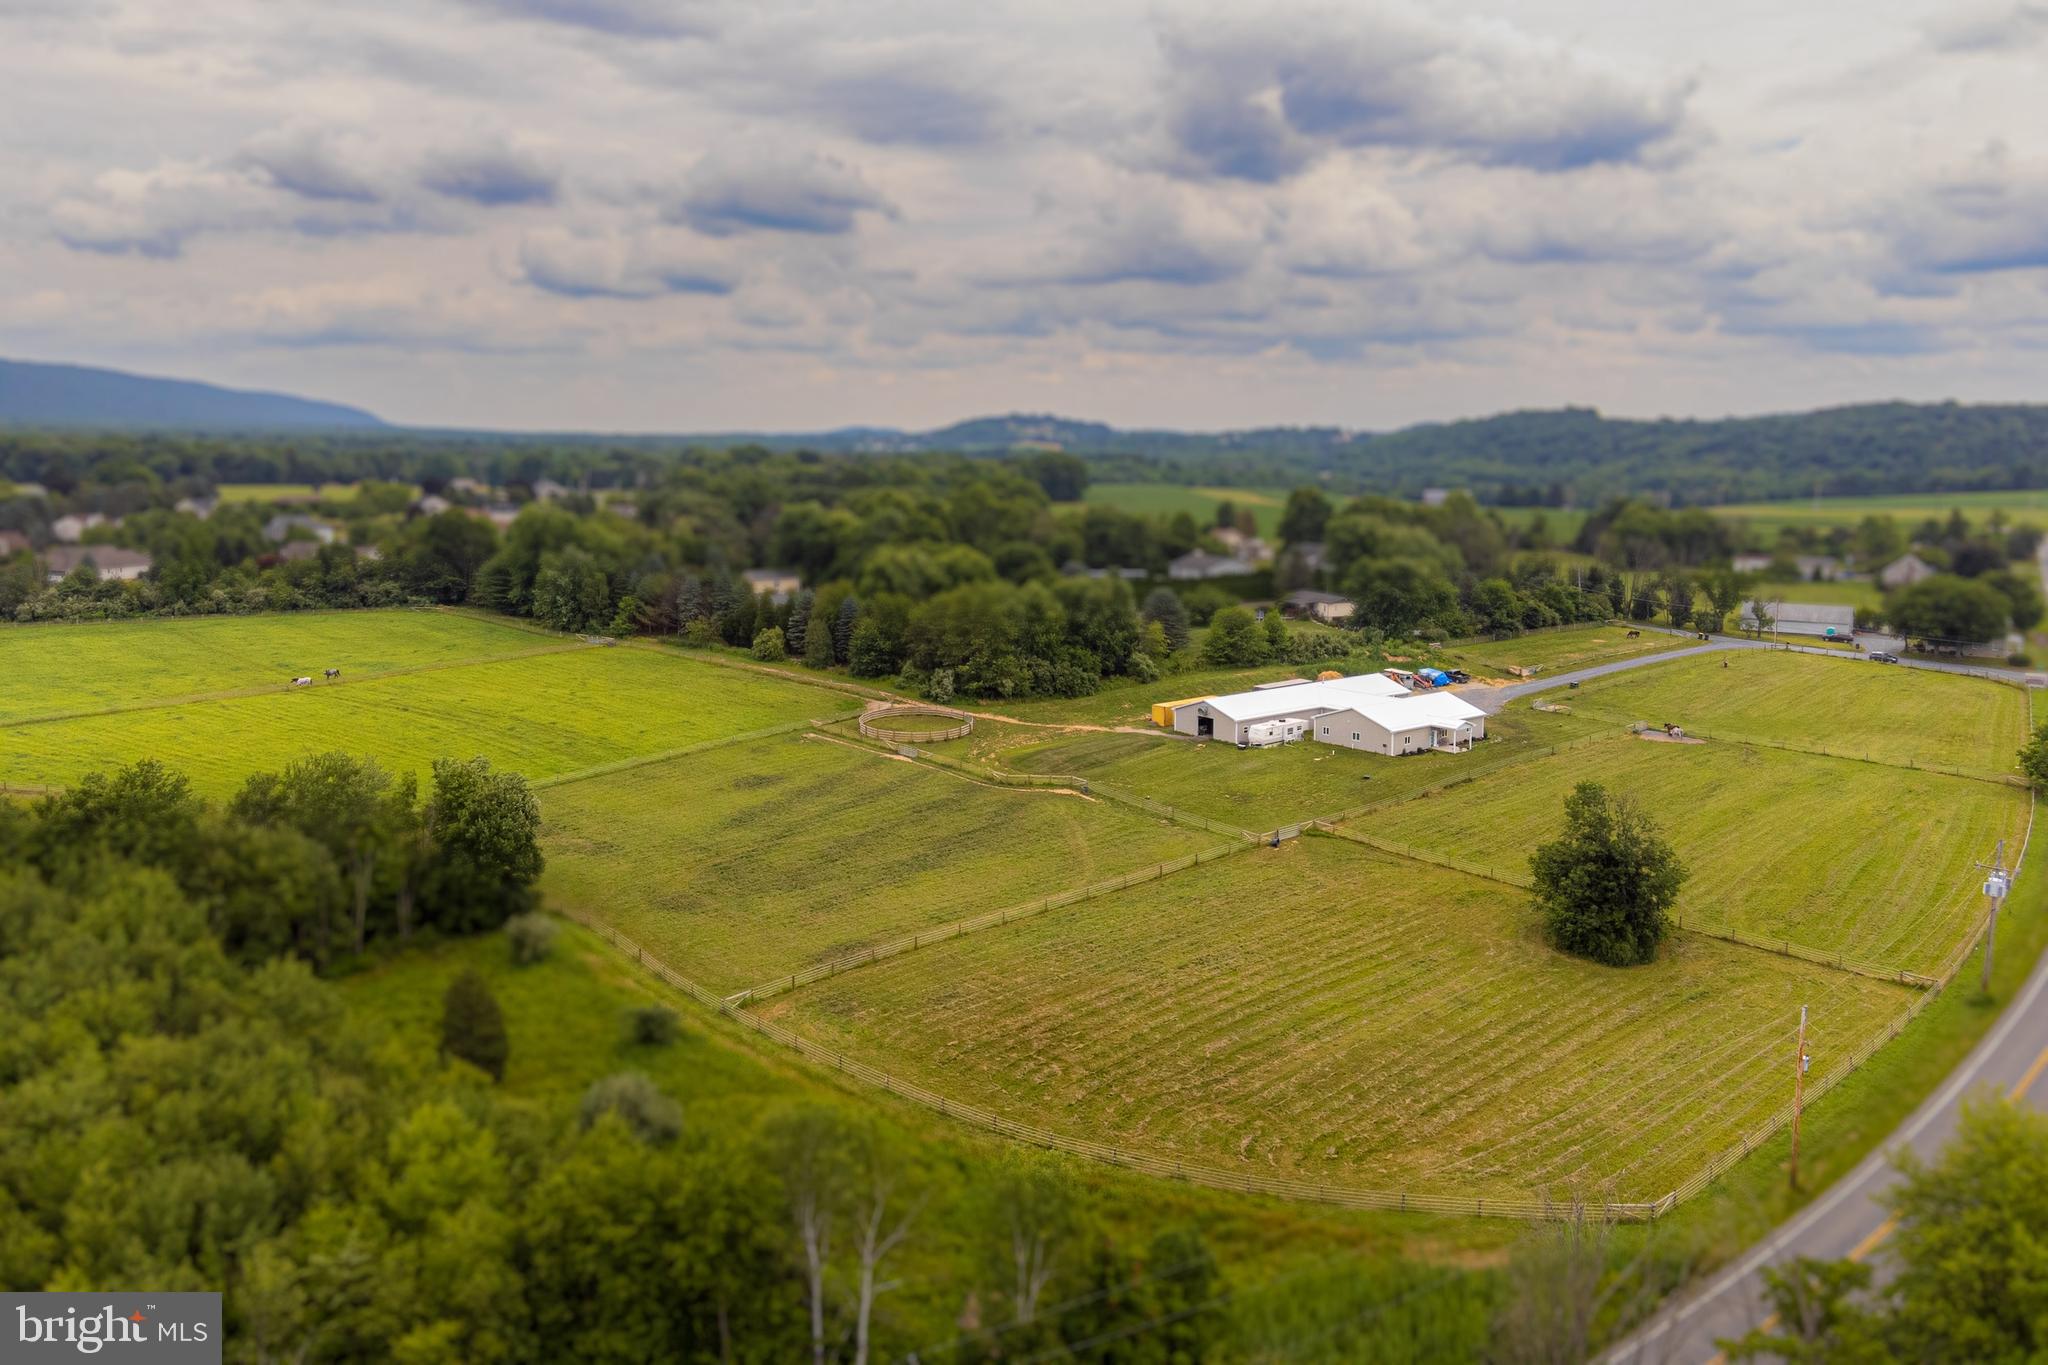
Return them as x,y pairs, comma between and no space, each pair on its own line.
473,1027
1164,606
843,622
799,622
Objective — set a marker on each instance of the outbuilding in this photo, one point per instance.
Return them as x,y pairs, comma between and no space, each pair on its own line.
1404,725
1229,718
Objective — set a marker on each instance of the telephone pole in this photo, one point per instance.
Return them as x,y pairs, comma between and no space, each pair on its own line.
1997,880
1799,1065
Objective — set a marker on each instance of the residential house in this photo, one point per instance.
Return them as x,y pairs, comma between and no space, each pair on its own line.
280,528
1435,497
1808,568
71,528
476,488
201,508
1236,543
1197,564
547,490
779,584
1904,572
13,543
294,550
110,561
1327,607
1074,568
431,505
498,514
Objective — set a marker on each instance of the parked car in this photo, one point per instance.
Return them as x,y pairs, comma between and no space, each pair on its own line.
1459,675
1880,656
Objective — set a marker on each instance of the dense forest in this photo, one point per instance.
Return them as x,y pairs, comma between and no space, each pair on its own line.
1572,456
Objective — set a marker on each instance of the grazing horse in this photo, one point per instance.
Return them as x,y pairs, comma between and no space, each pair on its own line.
332,673
1633,634
302,682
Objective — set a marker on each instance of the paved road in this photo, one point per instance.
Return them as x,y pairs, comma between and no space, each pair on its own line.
1492,699
1848,1220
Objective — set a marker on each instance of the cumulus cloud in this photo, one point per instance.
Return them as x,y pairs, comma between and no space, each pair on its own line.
609,267
2001,28
1261,97
730,194
309,164
1993,218
155,212
493,175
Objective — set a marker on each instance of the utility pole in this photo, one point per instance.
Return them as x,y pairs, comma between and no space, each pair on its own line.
1997,880
1799,1064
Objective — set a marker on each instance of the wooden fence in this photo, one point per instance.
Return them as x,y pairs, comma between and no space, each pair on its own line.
962,724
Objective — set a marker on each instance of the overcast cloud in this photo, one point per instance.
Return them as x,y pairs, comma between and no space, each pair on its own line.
703,214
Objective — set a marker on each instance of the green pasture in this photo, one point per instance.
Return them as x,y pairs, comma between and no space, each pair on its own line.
1562,523
1325,1012
543,715
743,863
271,492
1850,707
1834,593
1555,651
1167,499
1262,788
1871,862
64,669
1766,519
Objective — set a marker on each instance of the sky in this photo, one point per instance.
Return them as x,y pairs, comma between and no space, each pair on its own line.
693,215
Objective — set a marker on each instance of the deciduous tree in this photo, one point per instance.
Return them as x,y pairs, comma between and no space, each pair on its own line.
1606,886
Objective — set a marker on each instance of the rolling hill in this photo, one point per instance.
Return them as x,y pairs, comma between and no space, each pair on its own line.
38,395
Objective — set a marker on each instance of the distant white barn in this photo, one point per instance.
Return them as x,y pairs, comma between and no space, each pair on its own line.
1243,717
1404,725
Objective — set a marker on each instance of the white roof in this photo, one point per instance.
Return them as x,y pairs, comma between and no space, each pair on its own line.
1394,714
1304,699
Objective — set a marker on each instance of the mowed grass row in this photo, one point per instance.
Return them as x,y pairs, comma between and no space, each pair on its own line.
1870,862
1325,1012
1557,651
747,862
1261,788
1903,716
543,716
50,670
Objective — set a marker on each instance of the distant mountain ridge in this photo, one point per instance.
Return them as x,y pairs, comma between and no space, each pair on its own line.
38,395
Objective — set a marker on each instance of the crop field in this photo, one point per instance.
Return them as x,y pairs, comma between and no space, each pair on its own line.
1903,716
1556,651
65,669
1261,788
1165,499
1870,862
542,715
742,863
1326,1012
1767,518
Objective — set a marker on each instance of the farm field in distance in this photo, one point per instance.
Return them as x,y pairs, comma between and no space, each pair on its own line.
1767,518
746,862
1555,651
1848,875
1909,717
1165,499
63,669
1324,1011
543,715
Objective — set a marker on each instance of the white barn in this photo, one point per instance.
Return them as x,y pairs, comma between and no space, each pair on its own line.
1404,725
1245,717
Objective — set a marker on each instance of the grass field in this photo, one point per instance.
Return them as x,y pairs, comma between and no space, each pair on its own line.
743,863
1890,715
1165,499
542,716
1326,1012
1767,518
1562,523
1261,788
1830,594
63,669
270,492
1779,845
1556,651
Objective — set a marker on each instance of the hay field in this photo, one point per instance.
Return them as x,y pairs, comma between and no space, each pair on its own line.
1870,862
542,715
1261,788
1904,716
65,669
1330,1013
743,863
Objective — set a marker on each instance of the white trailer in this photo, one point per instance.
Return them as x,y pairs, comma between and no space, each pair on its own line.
1286,730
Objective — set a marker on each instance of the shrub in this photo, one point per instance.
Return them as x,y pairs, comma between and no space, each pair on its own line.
532,936
473,1027
940,687
653,1025
653,1117
768,645
2019,658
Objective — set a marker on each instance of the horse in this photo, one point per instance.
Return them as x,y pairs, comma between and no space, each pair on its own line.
332,673
302,682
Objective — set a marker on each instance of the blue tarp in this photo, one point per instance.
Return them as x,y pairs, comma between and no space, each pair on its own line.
1436,676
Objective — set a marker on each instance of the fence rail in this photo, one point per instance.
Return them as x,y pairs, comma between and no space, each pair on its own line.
1009,914
1823,751
963,724
643,760
1194,1173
